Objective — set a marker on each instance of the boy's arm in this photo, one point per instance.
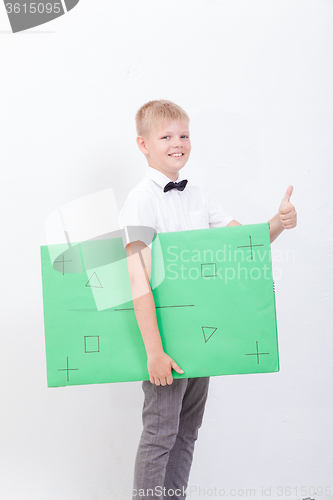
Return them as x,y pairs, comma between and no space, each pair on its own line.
139,266
286,218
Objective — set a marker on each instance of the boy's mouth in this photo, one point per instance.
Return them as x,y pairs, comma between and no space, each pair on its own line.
176,155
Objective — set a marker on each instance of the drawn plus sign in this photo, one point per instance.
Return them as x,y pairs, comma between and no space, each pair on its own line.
250,246
67,370
63,263
257,353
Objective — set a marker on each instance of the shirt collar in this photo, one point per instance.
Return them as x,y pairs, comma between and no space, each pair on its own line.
159,178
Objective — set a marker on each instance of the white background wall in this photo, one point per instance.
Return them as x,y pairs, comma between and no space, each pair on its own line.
255,77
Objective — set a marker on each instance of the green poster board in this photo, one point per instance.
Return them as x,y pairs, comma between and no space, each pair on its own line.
214,297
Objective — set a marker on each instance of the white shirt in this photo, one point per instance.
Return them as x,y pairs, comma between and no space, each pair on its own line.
148,205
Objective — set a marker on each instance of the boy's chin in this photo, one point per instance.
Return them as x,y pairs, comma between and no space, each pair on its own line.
176,169
178,165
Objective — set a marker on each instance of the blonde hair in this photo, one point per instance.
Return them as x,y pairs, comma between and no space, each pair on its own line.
154,112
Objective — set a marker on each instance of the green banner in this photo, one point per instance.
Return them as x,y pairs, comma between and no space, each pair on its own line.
214,297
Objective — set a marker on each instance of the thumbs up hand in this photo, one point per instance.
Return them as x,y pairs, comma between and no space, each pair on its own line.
288,215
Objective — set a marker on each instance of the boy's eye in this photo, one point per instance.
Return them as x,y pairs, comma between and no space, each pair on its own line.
182,137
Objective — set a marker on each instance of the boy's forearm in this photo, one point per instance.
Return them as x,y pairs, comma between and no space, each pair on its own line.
145,313
139,267
275,227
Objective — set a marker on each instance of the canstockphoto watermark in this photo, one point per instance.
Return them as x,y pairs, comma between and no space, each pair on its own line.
163,492
220,492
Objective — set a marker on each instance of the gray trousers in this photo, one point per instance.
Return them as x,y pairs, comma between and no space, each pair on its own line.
171,417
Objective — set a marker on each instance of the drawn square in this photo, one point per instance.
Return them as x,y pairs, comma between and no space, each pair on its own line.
91,343
208,270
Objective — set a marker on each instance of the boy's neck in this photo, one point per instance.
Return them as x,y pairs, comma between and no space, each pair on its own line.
172,176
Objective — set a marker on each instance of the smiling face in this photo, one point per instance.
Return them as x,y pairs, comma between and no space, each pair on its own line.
167,148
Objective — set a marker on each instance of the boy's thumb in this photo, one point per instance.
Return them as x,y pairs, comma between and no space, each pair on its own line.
289,192
176,367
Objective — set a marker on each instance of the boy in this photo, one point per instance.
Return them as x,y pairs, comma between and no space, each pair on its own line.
173,409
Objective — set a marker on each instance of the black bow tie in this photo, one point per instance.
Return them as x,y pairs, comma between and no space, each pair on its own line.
175,185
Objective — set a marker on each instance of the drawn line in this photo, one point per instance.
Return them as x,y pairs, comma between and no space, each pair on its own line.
157,307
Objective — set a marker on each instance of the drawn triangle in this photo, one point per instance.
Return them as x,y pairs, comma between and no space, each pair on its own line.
208,333
94,281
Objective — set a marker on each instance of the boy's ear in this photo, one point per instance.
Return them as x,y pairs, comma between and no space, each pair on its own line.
141,142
